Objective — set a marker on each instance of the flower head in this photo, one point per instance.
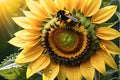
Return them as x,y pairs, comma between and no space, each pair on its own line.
63,39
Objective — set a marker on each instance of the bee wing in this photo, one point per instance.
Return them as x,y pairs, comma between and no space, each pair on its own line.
73,18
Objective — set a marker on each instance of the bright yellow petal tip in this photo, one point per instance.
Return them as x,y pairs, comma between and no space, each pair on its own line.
51,71
87,70
109,47
107,33
29,55
17,42
109,60
104,14
41,63
24,22
97,62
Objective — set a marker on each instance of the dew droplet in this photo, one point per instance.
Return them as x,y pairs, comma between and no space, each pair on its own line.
88,68
50,71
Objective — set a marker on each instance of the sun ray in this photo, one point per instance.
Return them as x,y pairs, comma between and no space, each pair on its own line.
9,9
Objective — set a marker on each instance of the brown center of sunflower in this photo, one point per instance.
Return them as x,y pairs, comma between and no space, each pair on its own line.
66,45
67,41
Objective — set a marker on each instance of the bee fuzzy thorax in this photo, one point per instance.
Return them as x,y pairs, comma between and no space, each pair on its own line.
67,18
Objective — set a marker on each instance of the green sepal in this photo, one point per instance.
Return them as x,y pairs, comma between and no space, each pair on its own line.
18,73
49,22
118,15
107,24
73,12
105,2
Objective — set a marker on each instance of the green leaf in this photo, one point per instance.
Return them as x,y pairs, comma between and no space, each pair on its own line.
105,2
9,60
14,73
10,70
36,77
108,24
111,75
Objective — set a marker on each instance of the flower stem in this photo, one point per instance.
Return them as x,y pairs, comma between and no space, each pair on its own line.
97,75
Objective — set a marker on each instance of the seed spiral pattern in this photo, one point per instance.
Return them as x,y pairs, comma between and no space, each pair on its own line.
72,61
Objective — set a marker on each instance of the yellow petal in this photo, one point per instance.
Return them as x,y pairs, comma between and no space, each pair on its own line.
108,59
77,5
97,62
17,42
41,63
92,8
32,5
49,6
107,33
84,4
29,55
87,70
24,22
62,73
35,19
44,77
73,73
32,43
26,35
59,4
104,14
27,32
70,4
110,46
34,32
51,71
30,15
36,8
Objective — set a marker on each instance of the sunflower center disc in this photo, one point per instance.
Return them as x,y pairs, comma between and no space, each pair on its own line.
67,41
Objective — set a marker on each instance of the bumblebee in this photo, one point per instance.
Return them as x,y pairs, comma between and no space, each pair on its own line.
69,19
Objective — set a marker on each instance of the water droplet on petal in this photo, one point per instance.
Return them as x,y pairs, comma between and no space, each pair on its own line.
88,68
50,71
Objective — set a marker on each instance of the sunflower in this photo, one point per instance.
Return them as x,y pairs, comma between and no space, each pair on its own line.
64,39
